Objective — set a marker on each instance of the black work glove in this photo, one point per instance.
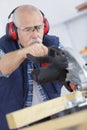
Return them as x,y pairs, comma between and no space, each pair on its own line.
55,71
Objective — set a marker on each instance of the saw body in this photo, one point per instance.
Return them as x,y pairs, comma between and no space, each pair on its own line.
64,65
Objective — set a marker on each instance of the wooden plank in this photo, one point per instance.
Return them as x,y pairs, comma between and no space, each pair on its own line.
31,114
77,120
82,6
83,126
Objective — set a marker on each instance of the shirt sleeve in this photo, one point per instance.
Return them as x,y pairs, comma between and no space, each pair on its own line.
2,53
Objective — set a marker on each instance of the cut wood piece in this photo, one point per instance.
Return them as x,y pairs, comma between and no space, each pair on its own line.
29,115
77,120
82,6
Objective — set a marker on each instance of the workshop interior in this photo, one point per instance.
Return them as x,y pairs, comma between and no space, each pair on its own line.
67,20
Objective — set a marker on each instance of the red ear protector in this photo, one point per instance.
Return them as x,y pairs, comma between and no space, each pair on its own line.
46,23
11,30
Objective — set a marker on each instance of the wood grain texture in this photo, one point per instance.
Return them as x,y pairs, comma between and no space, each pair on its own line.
29,115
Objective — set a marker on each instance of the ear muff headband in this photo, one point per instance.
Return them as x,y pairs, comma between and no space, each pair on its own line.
11,30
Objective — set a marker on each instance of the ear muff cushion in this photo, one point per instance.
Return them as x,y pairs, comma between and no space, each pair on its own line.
11,31
46,25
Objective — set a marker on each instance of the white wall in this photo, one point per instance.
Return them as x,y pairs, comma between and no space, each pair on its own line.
61,31
77,29
72,33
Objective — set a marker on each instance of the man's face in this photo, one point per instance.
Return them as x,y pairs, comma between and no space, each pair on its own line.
31,29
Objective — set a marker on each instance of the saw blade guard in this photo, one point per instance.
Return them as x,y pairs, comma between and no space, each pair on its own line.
77,69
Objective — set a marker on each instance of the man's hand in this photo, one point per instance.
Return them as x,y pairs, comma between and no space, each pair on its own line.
55,71
36,49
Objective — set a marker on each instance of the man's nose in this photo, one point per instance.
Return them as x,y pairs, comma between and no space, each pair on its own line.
35,33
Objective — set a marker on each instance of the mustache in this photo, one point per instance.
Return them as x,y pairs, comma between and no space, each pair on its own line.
38,40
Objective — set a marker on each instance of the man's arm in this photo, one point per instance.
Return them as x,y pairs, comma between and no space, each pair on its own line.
11,61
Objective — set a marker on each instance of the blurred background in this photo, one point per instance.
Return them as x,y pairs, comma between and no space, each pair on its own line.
67,20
